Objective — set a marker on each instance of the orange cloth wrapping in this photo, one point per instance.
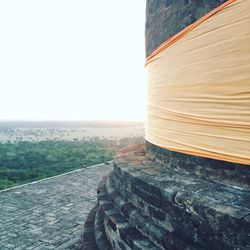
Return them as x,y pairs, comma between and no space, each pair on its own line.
199,88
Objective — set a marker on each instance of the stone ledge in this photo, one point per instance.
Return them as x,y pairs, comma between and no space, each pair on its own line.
145,224
145,206
121,233
93,236
100,236
227,173
208,213
88,241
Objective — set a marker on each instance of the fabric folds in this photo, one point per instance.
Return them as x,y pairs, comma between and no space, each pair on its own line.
199,88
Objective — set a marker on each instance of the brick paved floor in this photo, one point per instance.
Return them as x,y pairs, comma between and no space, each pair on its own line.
48,214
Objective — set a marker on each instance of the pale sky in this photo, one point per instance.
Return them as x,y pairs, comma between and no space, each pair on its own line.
72,60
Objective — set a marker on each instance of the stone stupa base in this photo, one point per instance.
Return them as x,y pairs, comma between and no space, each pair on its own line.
144,205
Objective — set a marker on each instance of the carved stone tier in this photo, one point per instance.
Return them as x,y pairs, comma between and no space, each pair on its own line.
229,173
146,205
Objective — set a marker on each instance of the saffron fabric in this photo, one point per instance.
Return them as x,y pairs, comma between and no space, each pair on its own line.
199,87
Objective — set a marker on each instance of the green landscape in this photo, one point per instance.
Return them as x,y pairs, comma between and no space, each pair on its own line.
26,161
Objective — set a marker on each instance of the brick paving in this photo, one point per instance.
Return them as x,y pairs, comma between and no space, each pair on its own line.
49,214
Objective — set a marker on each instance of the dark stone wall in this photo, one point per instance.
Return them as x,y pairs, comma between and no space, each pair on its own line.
177,210
225,172
167,17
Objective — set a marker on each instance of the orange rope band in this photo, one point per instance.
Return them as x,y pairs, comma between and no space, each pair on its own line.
183,32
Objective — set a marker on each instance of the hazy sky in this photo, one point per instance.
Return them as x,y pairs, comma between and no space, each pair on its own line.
72,60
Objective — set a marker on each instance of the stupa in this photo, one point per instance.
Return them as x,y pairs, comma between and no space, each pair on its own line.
188,188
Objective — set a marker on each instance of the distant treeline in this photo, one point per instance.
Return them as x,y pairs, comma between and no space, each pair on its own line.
24,162
68,124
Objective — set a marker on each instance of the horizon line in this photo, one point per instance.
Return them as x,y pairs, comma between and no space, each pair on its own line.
57,120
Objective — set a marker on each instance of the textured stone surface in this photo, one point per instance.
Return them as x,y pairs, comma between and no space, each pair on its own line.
167,17
120,231
144,205
88,241
100,236
187,210
225,172
94,235
49,214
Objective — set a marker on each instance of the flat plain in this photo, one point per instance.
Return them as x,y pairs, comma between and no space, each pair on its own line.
69,131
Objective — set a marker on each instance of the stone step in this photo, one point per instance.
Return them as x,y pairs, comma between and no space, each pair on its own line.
88,241
100,235
120,232
94,236
162,237
205,212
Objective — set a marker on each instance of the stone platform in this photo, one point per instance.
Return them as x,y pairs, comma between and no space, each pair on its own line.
146,205
49,214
